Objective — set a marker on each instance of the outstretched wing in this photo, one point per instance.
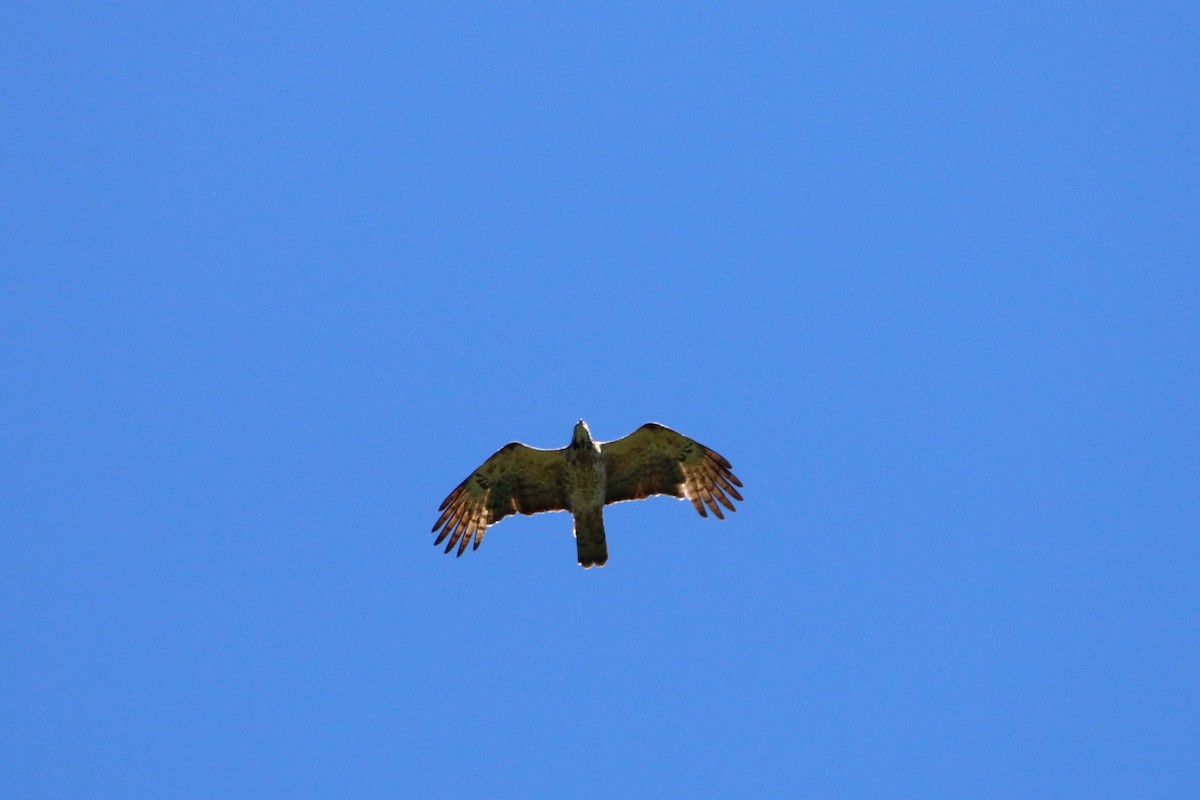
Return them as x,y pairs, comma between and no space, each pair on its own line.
657,460
516,479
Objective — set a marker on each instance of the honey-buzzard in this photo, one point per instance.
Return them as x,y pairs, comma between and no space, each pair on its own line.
582,478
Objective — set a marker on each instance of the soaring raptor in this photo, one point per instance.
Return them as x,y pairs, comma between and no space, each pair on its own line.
582,478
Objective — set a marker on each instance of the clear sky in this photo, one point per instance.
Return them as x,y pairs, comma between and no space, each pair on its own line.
276,277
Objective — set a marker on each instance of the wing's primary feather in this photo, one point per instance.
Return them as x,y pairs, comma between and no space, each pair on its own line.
516,479
657,460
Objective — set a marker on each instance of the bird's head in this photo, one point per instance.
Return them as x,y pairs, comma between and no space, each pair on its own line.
581,435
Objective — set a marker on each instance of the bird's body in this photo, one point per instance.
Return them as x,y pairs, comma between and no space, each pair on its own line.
586,484
582,478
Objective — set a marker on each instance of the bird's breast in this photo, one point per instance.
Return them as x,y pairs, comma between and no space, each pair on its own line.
585,479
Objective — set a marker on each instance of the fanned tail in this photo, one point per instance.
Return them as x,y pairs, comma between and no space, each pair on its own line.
589,538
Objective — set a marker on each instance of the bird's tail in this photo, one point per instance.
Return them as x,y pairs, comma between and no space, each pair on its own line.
589,537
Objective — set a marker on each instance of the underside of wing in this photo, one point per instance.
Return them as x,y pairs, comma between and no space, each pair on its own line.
657,460
517,479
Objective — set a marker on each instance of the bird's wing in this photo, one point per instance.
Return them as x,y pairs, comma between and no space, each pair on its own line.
657,460
516,479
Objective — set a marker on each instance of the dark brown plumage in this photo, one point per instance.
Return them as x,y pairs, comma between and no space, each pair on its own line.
582,478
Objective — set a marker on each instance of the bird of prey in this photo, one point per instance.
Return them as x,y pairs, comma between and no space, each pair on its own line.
582,478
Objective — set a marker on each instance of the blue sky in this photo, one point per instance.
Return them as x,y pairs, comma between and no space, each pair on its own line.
277,277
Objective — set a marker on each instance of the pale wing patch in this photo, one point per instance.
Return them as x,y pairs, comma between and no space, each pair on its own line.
708,482
465,516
